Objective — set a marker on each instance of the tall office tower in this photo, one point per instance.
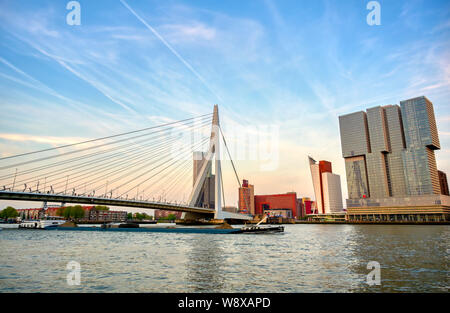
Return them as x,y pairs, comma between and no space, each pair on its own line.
355,147
246,198
327,187
206,198
421,140
389,151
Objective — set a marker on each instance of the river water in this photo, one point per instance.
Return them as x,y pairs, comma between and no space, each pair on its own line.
306,258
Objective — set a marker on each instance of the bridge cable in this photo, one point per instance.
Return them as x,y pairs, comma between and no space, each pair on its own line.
67,153
93,162
234,168
107,137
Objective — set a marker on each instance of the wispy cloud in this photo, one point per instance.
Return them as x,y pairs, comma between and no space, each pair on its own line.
55,141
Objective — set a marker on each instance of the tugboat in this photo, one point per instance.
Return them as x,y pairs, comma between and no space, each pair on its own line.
257,229
45,223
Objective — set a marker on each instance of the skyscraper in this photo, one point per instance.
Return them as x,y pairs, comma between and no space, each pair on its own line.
389,150
327,187
421,141
206,198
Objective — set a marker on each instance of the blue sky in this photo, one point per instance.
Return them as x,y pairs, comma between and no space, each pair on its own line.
294,64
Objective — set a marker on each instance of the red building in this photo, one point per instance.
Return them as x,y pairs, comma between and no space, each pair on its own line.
287,201
30,214
305,206
246,198
308,207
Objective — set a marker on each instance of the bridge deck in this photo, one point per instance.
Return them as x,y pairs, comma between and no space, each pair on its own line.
27,196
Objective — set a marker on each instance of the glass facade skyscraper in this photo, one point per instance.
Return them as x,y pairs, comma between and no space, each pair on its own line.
389,150
421,140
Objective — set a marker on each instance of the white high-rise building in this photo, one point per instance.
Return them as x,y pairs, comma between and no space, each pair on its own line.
332,193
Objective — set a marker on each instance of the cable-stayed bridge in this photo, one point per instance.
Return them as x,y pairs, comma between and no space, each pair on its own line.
166,167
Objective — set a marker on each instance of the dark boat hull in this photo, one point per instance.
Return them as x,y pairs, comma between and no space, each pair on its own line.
261,230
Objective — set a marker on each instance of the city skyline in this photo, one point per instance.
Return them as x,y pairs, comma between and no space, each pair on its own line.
389,151
62,84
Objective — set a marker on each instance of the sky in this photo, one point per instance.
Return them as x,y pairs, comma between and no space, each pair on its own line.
281,71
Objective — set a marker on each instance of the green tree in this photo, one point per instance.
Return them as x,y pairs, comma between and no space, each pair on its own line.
67,212
9,212
60,211
77,212
130,216
73,212
101,208
171,217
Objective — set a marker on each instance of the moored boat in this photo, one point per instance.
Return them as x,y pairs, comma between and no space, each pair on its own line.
257,229
45,223
261,229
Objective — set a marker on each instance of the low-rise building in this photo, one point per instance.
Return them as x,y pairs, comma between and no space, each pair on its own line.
107,216
424,208
277,203
31,214
90,214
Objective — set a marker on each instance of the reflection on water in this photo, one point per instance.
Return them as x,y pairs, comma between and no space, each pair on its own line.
205,261
306,258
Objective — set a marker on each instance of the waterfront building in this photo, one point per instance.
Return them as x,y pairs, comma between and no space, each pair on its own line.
389,150
304,206
246,202
307,206
327,187
31,214
107,216
426,208
389,154
301,208
90,214
282,204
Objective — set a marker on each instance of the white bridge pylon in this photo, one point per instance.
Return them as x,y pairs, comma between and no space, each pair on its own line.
213,151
